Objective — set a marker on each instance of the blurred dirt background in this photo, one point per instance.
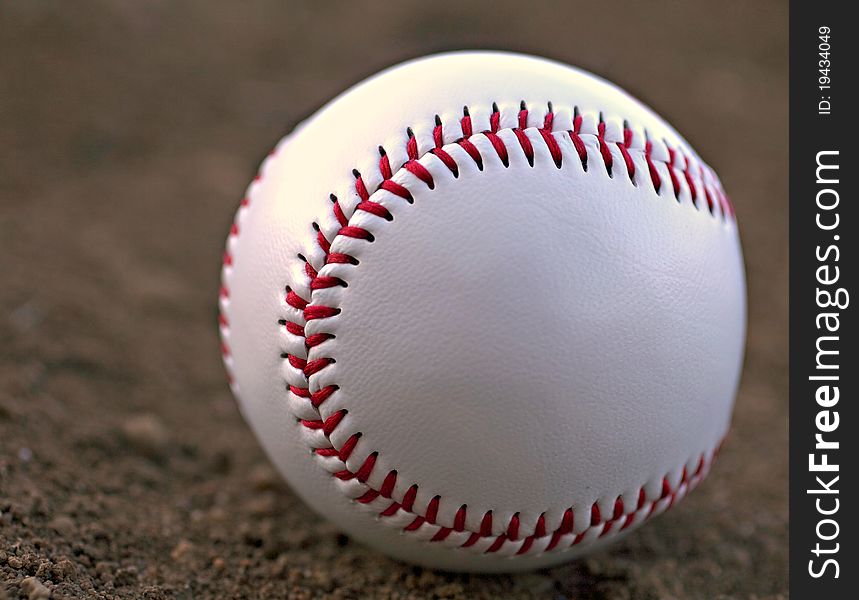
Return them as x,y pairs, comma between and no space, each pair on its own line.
128,132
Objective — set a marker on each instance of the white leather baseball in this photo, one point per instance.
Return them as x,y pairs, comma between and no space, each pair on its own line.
485,312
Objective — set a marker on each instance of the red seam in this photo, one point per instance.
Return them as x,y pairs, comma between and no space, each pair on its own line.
675,183
373,208
627,159
581,150
472,151
447,160
654,174
384,164
338,211
438,133
525,143
604,151
553,146
421,172
500,147
495,119
523,117
465,123
411,145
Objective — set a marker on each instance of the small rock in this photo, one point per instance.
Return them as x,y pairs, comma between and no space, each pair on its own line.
263,477
298,538
126,576
44,569
64,570
102,567
534,583
153,592
14,562
262,505
222,462
105,572
25,455
147,434
182,551
64,525
25,317
35,589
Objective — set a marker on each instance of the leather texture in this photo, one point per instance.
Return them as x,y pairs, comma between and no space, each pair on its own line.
553,346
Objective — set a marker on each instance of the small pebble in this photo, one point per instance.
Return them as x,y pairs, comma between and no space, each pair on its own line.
126,576
181,551
64,525
25,317
263,477
147,434
35,589
64,569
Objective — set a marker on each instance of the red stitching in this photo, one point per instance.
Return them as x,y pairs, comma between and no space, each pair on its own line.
553,146
500,147
581,150
710,203
337,257
373,208
437,133
513,527
355,232
320,283
319,312
527,148
654,174
294,300
495,119
459,519
465,123
511,532
523,116
312,367
627,159
693,189
384,164
604,151
388,485
409,499
317,398
432,510
447,159
297,363
338,211
411,145
472,151
308,268
421,172
360,188
396,189
675,183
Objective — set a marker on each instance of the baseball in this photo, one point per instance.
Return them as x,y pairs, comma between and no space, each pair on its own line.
485,312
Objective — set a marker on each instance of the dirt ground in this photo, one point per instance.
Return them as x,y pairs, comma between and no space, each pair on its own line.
128,131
